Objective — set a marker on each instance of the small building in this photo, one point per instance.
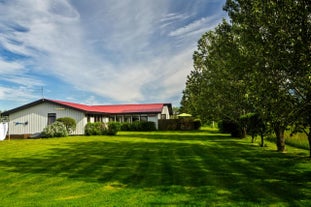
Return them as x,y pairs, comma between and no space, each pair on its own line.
32,118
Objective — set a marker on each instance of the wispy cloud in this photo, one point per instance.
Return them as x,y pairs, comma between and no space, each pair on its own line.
7,67
17,94
197,26
121,51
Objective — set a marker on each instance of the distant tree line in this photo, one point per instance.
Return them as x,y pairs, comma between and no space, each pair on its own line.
255,70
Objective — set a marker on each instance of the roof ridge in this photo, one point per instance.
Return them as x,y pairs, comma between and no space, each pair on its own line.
60,101
135,104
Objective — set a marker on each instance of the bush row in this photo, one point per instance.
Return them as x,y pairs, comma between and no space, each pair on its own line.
180,124
138,126
64,126
100,128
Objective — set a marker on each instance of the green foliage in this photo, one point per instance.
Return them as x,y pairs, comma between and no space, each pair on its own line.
147,126
259,63
100,128
69,123
255,125
57,129
231,127
179,124
113,128
96,128
197,124
138,126
125,126
215,89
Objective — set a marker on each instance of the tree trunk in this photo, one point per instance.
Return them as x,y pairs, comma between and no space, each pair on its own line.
262,140
243,132
253,137
280,139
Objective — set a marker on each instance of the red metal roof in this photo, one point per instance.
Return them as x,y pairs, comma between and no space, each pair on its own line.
104,109
115,109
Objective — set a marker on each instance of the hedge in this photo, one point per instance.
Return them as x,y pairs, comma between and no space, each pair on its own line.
179,124
69,123
138,126
100,128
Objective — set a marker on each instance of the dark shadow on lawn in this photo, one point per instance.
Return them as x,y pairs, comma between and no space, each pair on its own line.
221,167
178,135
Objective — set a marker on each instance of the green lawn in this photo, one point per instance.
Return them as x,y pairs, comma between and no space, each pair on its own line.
152,169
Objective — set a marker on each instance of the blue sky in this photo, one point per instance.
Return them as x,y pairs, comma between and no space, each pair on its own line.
100,51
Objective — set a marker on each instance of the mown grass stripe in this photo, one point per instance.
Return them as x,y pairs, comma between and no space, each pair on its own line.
151,169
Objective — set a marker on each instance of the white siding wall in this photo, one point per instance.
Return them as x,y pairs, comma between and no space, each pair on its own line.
166,112
36,116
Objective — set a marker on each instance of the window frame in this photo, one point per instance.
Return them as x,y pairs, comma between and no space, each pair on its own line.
51,118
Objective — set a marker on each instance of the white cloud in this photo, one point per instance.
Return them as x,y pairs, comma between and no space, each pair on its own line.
127,51
25,81
18,94
171,17
198,26
7,67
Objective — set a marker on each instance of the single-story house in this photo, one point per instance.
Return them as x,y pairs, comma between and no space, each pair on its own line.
32,118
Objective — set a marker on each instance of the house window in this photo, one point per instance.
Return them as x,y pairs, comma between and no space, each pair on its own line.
127,119
143,118
98,118
51,118
119,119
112,118
135,118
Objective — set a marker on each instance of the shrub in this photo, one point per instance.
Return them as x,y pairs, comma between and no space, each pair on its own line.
57,129
147,126
179,124
99,128
113,128
196,124
135,126
126,126
69,123
89,129
138,126
229,126
96,128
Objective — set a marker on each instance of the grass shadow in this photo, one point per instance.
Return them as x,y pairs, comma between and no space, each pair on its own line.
199,135
209,168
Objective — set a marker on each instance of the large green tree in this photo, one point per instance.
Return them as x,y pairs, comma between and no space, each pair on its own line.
278,32
215,89
259,63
